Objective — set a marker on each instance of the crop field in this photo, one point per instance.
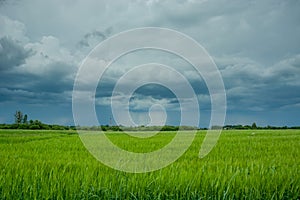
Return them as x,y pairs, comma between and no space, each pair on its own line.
246,164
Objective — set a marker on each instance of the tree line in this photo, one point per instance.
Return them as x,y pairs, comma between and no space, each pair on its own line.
22,122
136,128
254,126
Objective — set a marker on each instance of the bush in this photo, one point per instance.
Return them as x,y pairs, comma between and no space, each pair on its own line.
23,126
34,127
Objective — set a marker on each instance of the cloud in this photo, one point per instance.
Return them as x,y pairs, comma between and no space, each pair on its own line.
93,38
286,71
12,54
32,97
39,72
13,29
254,86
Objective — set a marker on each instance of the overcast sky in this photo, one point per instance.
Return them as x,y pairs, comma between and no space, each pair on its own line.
255,45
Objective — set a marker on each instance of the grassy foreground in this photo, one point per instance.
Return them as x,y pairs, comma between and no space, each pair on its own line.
244,165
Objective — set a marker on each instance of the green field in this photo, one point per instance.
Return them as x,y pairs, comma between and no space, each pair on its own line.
254,164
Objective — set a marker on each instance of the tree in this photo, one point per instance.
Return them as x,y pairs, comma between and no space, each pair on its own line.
254,126
25,119
18,117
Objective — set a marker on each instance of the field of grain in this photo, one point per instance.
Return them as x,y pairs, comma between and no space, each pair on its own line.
254,164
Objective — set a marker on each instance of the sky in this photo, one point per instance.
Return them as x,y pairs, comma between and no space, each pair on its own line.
254,44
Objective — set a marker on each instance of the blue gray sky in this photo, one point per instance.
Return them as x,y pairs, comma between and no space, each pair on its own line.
255,45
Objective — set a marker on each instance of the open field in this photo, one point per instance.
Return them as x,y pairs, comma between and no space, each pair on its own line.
254,164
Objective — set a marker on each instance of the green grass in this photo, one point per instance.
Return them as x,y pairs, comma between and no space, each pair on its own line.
55,165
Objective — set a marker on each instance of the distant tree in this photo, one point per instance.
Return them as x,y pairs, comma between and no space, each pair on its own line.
25,119
18,117
247,127
254,126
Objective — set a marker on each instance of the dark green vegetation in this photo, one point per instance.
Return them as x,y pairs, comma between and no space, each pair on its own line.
21,122
36,125
260,164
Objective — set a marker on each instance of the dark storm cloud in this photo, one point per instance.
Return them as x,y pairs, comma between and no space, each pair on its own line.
54,86
253,86
28,96
57,79
11,53
156,91
153,91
